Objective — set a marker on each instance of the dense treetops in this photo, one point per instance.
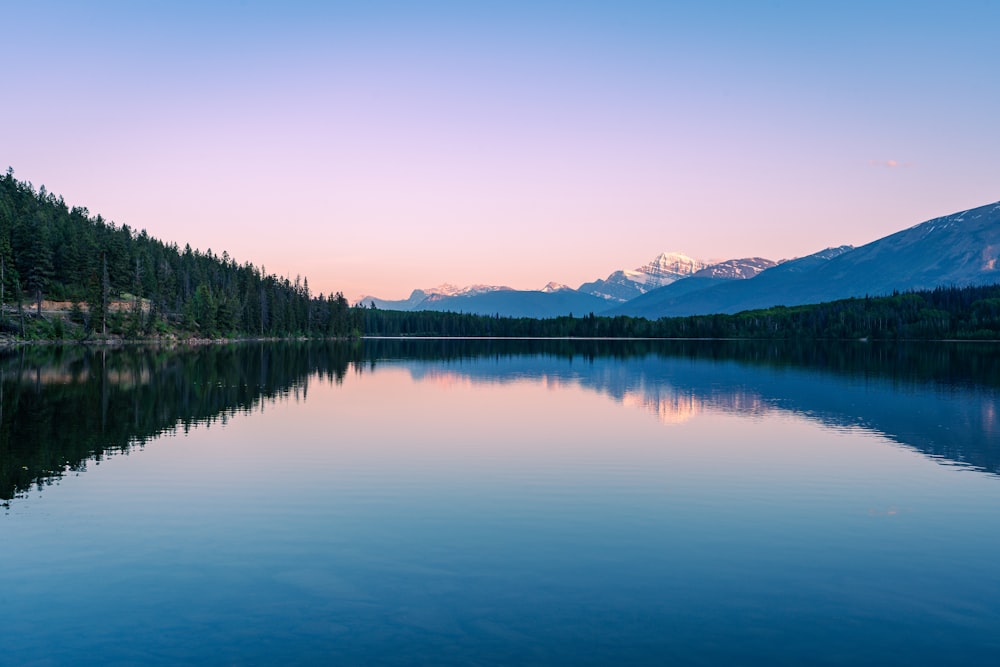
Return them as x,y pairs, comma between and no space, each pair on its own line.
125,282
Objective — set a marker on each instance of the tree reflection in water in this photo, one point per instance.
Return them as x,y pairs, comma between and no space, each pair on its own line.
64,406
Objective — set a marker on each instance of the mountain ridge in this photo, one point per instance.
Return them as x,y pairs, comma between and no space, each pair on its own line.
959,249
955,250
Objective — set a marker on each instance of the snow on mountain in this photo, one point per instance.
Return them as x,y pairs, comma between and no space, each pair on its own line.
736,269
668,267
446,290
624,285
951,251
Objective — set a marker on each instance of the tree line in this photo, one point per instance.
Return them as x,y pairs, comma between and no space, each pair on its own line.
971,313
124,282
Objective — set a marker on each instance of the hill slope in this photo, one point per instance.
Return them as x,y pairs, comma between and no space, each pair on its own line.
954,250
50,252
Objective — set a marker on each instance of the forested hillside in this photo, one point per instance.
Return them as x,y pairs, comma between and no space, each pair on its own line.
123,282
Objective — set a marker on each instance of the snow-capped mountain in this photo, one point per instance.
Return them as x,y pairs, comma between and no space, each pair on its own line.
692,288
953,250
624,285
446,290
736,269
553,300
617,288
667,268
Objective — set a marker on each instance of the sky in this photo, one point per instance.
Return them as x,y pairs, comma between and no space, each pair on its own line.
376,147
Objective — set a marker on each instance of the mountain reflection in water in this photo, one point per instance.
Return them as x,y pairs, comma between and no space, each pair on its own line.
62,407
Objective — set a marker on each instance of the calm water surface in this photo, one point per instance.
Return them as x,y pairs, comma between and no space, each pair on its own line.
488,502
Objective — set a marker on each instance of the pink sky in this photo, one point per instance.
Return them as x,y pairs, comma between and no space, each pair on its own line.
377,151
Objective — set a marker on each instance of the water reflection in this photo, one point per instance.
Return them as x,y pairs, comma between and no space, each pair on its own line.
63,407
940,400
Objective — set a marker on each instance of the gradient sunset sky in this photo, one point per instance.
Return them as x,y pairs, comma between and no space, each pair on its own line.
376,147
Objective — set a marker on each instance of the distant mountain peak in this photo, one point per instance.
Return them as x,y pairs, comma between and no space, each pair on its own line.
950,251
670,266
444,288
447,290
624,284
555,287
736,269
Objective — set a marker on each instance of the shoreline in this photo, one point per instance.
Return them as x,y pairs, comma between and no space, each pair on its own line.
7,342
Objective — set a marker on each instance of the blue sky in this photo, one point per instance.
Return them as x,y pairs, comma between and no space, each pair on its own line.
381,146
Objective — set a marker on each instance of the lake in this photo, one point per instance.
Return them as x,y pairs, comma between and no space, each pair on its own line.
487,502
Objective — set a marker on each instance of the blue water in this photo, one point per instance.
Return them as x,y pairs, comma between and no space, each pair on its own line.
522,508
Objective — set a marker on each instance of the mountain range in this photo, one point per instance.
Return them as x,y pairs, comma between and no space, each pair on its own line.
954,250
